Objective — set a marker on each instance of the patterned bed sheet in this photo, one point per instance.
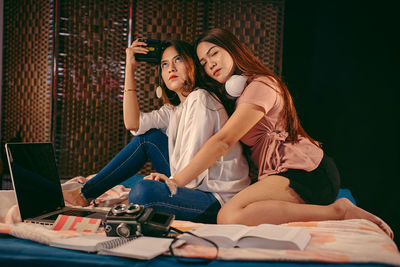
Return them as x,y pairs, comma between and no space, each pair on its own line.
344,241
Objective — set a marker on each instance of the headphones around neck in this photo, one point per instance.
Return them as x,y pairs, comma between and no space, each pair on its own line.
235,85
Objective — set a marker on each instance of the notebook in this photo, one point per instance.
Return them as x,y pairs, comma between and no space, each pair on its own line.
37,184
143,247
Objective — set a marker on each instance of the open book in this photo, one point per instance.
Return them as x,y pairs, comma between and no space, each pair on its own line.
266,236
143,247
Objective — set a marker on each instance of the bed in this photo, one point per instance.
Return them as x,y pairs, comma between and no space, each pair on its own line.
347,243
20,252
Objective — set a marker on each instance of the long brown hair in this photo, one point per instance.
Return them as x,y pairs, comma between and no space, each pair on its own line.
186,51
252,67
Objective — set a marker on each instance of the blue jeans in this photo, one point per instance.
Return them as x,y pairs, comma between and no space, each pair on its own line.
187,204
151,146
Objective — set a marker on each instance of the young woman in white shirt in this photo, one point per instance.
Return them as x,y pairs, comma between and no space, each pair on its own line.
169,138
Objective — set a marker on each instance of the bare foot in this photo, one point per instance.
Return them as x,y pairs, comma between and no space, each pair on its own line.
351,211
75,198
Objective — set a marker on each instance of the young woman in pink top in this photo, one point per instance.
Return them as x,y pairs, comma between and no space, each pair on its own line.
296,180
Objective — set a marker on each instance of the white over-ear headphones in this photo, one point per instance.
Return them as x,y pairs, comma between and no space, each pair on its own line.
235,85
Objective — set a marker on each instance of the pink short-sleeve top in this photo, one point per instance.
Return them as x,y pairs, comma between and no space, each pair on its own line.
271,152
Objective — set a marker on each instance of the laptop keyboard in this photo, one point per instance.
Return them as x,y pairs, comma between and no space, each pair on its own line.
80,213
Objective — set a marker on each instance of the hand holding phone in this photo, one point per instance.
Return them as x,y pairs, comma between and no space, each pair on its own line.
155,48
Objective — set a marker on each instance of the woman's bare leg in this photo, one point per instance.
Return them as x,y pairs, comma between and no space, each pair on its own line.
351,211
271,200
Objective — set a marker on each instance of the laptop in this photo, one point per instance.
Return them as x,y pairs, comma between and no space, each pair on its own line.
37,184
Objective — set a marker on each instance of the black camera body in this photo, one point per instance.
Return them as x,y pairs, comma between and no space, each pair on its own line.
135,220
155,48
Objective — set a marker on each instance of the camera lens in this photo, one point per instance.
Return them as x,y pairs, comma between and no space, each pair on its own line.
119,209
123,230
132,209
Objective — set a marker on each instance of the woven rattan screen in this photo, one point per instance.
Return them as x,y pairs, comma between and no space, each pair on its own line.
27,64
82,115
92,36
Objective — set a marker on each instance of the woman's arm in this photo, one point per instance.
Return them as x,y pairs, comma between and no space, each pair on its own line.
130,102
242,120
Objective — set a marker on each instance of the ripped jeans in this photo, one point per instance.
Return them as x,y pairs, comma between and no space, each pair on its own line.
187,204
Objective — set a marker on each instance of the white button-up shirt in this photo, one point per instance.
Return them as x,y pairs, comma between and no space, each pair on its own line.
188,126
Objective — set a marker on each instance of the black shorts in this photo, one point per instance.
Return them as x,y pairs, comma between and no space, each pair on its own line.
319,186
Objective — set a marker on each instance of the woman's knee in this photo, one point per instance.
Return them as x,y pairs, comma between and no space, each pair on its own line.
154,135
228,214
143,192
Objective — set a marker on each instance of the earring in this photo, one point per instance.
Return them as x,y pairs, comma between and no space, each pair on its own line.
159,92
235,85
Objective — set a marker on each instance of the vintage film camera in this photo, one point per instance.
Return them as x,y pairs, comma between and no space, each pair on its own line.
155,50
132,220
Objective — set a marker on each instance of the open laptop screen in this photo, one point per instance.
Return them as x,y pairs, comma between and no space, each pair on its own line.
35,178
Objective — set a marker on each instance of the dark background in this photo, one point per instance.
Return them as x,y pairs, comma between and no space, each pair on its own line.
340,64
